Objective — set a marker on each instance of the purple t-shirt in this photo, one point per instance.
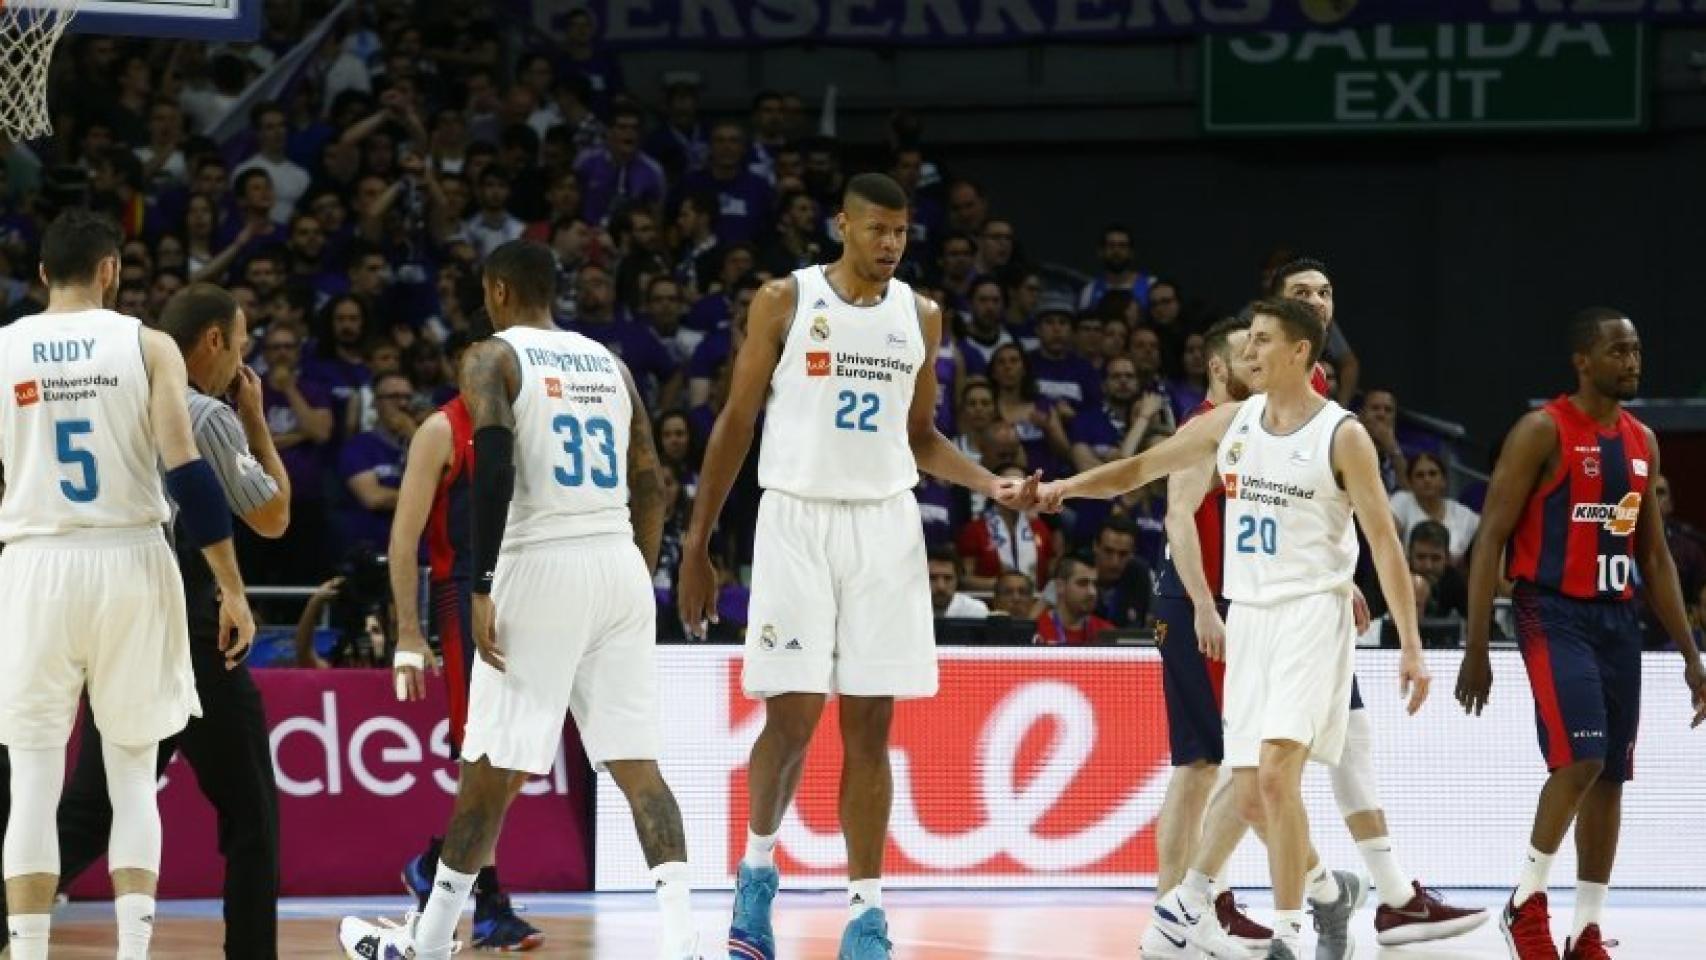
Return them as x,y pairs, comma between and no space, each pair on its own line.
977,353
304,461
604,183
941,509
379,453
646,356
1069,379
710,312
341,377
710,355
1096,429
744,202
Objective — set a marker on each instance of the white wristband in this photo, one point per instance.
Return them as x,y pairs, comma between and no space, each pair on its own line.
407,658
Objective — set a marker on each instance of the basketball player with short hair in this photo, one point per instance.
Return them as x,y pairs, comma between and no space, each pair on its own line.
434,498
92,592
841,358
566,521
1567,506
1294,467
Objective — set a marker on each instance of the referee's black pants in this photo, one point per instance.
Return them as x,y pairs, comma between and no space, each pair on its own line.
228,748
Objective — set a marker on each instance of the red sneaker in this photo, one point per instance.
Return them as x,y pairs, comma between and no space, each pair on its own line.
1528,929
1590,947
1238,926
1426,917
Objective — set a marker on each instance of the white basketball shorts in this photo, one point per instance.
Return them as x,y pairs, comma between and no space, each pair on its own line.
1288,676
840,599
103,608
576,621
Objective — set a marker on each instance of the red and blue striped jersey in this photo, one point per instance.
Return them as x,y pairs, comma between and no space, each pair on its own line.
1576,535
447,525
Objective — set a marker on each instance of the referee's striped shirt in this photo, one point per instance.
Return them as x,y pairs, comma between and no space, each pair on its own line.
220,439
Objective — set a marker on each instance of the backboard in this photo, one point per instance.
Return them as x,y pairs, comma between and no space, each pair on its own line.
188,19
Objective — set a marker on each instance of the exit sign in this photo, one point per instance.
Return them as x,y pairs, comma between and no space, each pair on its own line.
1421,77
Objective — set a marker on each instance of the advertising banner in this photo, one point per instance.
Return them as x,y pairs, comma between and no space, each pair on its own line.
364,782
1047,768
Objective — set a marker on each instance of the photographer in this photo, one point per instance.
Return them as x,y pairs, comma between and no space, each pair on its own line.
361,618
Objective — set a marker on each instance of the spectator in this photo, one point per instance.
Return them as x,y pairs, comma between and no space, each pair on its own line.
1087,340
1040,422
1426,500
1072,621
995,246
1123,580
581,54
430,373
1115,428
697,257
256,200
166,283
1306,280
679,142
1187,390
493,226
1444,591
656,375
665,306
341,336
299,414
942,509
1015,596
306,248
618,174
133,301
1165,312
984,334
1119,271
677,516
1116,341
1024,291
1380,417
271,127
1062,376
796,242
945,596
1001,538
163,165
680,448
769,133
743,198
718,346
1687,544
383,359
968,209
128,113
1145,346
562,202
977,413
371,464
959,271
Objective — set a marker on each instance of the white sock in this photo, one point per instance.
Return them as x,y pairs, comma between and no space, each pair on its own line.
1199,883
29,935
437,924
1288,928
135,925
864,895
674,894
1395,886
1321,886
1534,874
1590,901
760,851
1218,886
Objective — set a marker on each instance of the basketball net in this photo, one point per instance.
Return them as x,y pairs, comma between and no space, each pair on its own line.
29,30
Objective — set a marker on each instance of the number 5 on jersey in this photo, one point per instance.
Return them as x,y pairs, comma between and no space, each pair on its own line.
1258,536
865,406
64,433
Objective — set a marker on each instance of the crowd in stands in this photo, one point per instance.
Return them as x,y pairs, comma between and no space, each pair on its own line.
351,215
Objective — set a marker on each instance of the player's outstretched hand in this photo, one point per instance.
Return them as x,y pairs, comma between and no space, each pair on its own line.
236,628
1016,494
486,631
1474,680
1696,677
696,593
1413,679
1050,496
410,662
1211,633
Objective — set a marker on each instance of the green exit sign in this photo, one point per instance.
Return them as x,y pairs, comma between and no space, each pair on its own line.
1422,77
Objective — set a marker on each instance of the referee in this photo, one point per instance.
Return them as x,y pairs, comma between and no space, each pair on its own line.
227,746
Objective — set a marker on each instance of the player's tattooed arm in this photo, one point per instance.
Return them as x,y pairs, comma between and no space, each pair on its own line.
645,478
490,378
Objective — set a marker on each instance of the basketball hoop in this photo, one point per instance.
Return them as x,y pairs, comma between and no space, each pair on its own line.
29,30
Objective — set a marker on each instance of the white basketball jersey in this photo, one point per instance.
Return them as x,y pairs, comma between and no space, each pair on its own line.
1288,523
76,441
572,417
835,426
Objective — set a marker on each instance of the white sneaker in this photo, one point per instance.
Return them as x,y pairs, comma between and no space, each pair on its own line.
1183,925
691,952
385,940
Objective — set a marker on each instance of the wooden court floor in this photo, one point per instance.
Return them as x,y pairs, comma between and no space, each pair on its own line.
925,925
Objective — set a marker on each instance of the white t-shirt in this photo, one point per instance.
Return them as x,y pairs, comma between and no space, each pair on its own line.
963,607
289,183
1460,521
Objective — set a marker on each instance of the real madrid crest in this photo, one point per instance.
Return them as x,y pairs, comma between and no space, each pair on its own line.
820,328
767,637
1236,451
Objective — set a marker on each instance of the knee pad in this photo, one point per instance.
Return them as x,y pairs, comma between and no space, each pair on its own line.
32,833
135,841
1353,778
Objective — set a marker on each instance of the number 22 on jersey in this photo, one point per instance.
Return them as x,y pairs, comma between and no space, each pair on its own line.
862,406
